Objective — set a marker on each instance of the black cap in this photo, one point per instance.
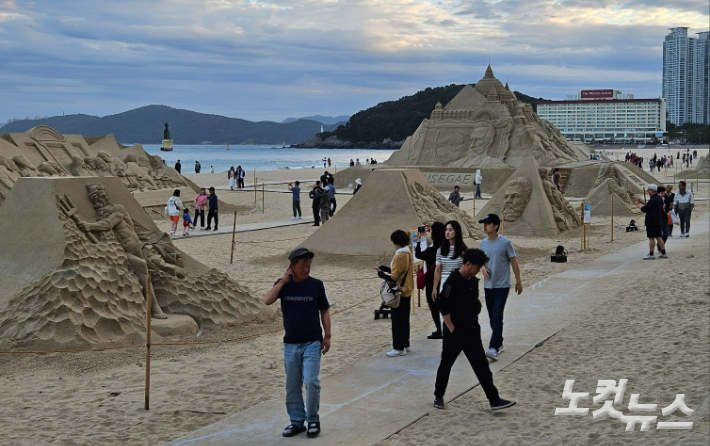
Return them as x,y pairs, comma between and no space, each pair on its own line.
300,253
490,218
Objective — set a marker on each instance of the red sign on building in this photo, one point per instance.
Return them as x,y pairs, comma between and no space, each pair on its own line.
597,94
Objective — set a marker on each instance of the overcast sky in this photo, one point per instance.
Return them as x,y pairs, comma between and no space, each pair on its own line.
269,60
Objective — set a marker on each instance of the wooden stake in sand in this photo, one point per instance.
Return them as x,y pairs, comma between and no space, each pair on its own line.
474,205
234,233
148,306
581,246
612,217
263,198
254,190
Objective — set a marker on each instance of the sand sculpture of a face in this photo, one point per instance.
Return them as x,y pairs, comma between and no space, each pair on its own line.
516,198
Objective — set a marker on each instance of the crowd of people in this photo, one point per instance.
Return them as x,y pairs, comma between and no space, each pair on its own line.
665,161
451,285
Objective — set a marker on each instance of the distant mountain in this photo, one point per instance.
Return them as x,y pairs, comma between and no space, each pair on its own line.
321,119
145,125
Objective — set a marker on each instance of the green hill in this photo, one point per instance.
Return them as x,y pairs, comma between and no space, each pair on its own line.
398,119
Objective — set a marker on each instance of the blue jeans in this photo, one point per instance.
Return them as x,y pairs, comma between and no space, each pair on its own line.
495,302
302,363
478,191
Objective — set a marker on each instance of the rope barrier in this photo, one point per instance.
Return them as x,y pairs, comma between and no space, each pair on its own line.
141,346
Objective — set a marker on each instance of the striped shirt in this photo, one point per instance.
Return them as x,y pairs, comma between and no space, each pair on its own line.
448,263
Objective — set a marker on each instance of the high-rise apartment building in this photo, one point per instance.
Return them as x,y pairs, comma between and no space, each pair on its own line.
686,76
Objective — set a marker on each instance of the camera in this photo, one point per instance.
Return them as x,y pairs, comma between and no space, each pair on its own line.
421,229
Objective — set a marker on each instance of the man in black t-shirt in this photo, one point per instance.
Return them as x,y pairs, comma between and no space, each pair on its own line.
459,305
653,221
304,306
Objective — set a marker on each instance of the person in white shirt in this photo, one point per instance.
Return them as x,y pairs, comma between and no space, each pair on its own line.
174,209
683,203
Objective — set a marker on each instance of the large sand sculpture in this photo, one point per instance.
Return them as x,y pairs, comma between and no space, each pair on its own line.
43,152
73,273
612,182
484,126
389,199
531,204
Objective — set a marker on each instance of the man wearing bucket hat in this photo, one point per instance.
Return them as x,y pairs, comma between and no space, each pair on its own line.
305,307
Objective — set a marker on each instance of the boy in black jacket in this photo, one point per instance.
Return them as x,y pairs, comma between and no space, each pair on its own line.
459,304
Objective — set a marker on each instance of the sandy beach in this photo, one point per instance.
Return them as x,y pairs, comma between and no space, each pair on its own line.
654,333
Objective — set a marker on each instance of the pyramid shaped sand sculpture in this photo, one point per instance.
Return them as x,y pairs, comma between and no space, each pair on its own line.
530,204
611,182
74,273
484,126
389,199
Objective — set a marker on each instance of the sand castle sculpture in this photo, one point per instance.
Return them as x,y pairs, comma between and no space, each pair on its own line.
389,199
43,152
77,276
484,126
531,204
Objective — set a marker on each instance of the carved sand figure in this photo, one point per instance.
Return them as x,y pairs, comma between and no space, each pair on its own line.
51,168
78,167
517,196
25,167
141,256
565,215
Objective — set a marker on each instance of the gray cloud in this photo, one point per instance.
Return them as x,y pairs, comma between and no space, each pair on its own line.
270,60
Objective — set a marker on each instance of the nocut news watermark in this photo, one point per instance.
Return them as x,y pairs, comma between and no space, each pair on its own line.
607,387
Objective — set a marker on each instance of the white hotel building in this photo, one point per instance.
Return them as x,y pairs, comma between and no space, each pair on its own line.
606,116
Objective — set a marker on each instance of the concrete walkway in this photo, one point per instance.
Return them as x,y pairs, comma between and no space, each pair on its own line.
379,396
247,227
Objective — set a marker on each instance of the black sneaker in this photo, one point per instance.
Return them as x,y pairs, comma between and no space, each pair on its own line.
439,403
215,228
502,404
435,335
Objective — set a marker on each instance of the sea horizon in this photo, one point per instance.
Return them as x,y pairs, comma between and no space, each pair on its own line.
260,156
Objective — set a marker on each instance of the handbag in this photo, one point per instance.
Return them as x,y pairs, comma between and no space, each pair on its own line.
390,292
421,278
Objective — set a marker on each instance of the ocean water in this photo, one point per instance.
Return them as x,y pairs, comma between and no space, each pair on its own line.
260,157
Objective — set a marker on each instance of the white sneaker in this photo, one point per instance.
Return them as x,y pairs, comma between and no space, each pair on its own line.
500,350
663,256
407,349
687,235
682,234
293,218
396,353
492,354
299,218
650,257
